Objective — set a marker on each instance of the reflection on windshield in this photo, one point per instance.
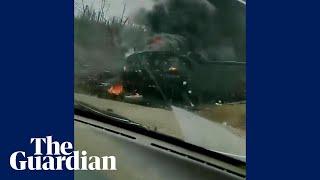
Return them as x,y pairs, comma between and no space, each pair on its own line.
175,67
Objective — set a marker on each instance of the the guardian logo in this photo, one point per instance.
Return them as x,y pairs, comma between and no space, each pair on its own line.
59,157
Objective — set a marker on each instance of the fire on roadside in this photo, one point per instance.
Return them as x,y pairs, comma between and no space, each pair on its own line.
116,89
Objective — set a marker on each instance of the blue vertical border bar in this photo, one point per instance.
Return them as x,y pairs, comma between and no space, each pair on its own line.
283,90
37,77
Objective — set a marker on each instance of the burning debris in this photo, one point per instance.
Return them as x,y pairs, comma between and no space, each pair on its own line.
116,90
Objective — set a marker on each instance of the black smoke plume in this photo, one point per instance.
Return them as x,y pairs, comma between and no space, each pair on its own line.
214,28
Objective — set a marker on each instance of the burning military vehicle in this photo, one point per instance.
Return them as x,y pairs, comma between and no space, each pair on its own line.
166,71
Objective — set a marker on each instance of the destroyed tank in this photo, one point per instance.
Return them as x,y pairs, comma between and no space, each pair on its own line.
166,70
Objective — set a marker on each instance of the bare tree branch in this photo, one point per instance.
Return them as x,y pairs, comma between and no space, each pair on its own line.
123,11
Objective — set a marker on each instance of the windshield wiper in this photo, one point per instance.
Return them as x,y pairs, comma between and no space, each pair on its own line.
118,121
79,106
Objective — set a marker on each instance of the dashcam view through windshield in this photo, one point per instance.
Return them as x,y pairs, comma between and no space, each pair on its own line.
176,67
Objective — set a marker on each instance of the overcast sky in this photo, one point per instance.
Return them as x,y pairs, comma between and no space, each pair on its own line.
116,6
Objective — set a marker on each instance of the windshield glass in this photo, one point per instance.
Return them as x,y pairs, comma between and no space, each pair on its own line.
176,67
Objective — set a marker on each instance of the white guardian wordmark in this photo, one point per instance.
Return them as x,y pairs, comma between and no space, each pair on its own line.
58,156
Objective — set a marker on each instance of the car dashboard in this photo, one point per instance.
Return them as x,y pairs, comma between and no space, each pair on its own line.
139,156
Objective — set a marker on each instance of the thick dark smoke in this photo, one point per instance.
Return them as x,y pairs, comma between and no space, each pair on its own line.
214,28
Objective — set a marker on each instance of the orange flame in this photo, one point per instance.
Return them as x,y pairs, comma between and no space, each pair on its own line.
116,89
